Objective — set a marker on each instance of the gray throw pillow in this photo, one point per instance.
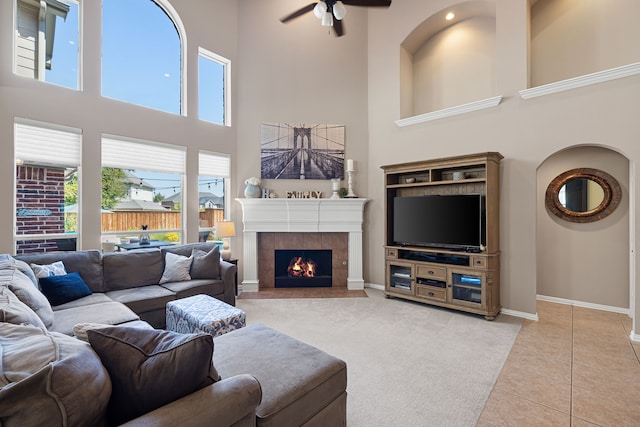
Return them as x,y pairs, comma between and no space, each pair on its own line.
176,268
50,379
150,367
206,265
23,288
12,310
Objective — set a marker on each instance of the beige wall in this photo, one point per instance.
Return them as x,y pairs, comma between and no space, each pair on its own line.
525,132
584,262
570,38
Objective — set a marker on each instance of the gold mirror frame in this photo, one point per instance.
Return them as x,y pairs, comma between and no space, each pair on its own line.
610,187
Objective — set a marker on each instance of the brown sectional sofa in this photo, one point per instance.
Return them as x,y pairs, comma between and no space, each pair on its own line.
131,279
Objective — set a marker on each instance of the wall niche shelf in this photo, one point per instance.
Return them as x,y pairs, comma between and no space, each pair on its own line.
448,112
461,280
581,81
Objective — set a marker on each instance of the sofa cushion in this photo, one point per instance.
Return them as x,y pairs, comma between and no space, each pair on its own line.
206,265
213,287
298,380
12,310
176,268
150,368
22,266
145,298
124,270
64,288
23,288
94,298
50,379
112,313
87,263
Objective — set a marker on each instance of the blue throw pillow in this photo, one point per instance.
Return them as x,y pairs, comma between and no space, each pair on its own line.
64,288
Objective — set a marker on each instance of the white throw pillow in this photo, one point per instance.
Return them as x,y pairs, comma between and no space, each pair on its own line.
176,268
55,269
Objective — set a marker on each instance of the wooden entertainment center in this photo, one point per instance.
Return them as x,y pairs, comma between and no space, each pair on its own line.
466,279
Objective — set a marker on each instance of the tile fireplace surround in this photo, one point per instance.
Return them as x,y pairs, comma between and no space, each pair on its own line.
301,216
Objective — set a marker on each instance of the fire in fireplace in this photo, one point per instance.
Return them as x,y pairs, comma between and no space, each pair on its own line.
302,268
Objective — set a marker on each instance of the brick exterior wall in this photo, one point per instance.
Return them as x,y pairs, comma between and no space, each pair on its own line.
39,205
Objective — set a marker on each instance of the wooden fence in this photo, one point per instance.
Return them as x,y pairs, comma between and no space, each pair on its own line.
133,220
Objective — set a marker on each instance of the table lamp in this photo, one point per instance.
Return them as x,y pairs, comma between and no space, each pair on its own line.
225,229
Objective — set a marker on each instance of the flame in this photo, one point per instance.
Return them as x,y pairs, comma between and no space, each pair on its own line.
298,267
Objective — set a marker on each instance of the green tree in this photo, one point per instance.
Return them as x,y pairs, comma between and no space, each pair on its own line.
158,197
113,187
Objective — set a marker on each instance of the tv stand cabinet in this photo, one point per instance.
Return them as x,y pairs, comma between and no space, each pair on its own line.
461,280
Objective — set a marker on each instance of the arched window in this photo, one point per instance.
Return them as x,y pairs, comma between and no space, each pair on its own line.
142,50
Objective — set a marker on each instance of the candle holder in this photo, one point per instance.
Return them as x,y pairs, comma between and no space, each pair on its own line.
350,193
335,187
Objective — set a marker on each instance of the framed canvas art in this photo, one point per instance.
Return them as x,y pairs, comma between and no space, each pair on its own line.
301,151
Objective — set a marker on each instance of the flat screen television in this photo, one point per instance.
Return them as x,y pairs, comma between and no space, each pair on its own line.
443,221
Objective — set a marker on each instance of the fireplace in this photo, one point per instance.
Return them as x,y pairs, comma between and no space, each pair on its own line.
303,268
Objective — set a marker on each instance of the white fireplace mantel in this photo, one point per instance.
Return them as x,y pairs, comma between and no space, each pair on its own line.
301,215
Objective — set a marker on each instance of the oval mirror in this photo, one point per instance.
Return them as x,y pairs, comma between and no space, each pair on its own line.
583,195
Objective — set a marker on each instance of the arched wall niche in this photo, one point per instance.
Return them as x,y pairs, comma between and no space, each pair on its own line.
449,63
572,38
584,262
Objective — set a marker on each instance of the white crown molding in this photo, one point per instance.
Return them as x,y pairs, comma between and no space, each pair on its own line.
584,304
586,80
448,112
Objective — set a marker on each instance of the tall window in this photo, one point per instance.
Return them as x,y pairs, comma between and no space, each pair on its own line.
141,55
213,87
137,177
213,171
47,42
46,200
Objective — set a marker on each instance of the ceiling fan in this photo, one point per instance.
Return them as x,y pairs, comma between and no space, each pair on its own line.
326,10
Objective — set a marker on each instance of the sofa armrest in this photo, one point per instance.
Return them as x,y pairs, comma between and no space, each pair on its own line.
223,403
228,274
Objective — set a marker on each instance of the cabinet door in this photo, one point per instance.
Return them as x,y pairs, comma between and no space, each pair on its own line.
400,277
467,288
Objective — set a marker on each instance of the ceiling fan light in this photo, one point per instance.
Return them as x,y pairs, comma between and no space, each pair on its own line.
320,10
327,20
339,11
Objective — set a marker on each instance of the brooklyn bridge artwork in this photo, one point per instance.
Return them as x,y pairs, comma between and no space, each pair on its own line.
301,151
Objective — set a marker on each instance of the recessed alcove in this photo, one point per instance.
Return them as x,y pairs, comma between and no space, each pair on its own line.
572,38
449,63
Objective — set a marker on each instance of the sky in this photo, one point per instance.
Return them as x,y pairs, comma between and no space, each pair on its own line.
141,65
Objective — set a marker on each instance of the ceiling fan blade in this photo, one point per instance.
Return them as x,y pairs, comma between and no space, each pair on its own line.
299,12
368,3
338,28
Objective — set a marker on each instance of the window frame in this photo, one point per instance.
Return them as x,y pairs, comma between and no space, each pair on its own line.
226,84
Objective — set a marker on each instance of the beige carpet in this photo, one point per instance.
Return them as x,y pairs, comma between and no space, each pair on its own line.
409,364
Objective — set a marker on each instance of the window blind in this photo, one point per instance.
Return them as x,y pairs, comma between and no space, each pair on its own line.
47,144
129,154
214,164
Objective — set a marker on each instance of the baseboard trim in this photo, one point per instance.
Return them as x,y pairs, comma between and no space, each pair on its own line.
374,286
521,314
602,307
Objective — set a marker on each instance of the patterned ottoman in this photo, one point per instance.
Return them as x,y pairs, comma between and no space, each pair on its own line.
202,313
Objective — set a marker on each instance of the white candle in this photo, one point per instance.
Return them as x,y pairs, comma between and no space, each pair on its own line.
336,184
349,165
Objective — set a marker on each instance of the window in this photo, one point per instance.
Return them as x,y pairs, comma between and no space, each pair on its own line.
46,41
141,54
213,171
136,178
47,177
213,88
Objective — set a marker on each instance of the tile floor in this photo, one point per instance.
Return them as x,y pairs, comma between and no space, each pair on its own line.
574,367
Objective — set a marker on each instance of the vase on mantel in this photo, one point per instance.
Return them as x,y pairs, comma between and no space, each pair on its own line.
252,191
